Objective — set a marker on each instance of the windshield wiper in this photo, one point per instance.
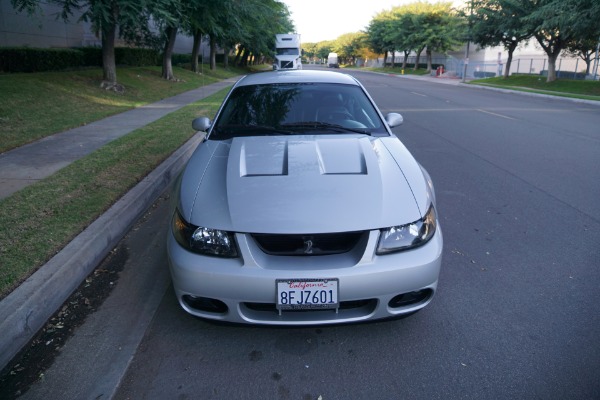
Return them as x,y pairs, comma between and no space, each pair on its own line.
245,130
325,126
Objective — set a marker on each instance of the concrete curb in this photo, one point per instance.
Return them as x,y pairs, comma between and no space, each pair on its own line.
25,311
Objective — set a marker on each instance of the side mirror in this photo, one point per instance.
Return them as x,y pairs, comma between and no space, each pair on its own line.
201,124
394,119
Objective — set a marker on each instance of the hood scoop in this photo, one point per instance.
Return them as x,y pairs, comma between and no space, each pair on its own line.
332,156
301,185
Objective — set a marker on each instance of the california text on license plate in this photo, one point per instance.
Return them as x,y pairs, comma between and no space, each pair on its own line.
306,294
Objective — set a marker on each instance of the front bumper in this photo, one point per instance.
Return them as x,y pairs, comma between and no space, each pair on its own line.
243,290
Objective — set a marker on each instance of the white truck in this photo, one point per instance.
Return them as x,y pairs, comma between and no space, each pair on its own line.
288,52
332,60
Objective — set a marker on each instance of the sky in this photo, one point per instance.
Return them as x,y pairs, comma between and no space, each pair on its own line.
318,20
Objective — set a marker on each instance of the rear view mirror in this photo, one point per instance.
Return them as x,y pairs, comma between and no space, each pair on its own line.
201,124
394,119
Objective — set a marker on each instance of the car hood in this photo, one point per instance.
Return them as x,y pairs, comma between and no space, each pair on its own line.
300,184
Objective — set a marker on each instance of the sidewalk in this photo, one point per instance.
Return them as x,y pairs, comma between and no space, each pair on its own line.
24,311
28,164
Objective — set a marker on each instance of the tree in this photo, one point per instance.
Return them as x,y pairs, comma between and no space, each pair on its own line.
249,25
440,29
324,48
222,22
309,50
549,29
498,22
558,23
204,19
415,27
587,30
260,21
348,46
106,16
401,32
378,37
584,49
170,16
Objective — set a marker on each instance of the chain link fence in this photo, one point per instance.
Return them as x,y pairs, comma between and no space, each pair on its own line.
566,67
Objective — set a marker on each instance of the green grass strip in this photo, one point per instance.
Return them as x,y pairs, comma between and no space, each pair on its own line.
33,106
38,221
579,89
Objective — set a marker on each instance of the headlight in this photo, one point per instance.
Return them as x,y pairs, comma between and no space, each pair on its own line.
209,242
407,236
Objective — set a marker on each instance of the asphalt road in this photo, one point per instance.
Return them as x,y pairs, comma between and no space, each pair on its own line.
516,315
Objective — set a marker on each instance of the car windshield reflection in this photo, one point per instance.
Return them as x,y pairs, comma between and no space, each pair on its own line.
289,109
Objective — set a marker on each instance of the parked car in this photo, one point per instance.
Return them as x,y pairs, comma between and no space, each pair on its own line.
301,207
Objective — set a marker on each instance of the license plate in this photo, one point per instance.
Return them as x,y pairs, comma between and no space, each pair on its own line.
307,294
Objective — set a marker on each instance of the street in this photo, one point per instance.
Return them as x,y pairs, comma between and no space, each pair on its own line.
517,181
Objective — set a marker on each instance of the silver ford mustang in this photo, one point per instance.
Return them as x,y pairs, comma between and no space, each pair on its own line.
301,207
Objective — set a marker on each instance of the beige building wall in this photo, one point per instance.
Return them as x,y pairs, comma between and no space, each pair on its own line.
44,29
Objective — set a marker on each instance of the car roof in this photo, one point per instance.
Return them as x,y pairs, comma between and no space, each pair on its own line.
296,76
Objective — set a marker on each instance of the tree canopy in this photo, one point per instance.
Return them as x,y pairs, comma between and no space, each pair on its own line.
556,25
249,24
571,26
416,27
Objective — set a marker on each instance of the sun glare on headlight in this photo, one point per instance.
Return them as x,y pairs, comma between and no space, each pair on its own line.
206,241
404,237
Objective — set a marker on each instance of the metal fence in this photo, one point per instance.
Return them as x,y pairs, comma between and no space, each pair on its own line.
570,68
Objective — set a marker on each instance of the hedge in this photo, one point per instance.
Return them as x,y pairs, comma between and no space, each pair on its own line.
25,59
483,74
412,65
566,74
136,57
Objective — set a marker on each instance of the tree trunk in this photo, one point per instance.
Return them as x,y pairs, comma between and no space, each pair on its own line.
552,67
213,53
429,56
244,60
238,55
196,50
586,56
225,58
511,49
418,59
552,48
167,67
405,61
109,67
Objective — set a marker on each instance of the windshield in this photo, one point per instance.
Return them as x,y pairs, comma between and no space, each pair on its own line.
293,51
288,109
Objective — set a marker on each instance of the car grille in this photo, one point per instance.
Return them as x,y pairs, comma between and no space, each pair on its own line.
308,245
287,64
369,304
